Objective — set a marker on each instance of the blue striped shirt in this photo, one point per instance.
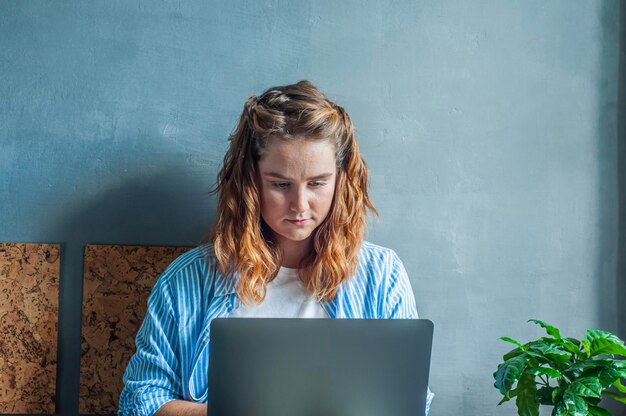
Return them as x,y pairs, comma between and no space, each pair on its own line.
172,354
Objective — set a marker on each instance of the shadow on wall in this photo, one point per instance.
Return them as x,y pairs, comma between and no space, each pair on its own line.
169,207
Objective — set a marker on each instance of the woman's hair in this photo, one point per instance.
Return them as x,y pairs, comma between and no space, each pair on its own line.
242,242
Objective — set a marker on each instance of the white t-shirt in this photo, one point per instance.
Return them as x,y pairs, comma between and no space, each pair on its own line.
286,297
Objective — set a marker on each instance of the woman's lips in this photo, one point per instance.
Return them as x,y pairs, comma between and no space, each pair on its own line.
298,222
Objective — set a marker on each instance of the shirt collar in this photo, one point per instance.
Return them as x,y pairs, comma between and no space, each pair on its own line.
227,286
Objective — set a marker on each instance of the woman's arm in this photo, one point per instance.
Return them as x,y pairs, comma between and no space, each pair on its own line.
398,294
401,302
182,408
152,377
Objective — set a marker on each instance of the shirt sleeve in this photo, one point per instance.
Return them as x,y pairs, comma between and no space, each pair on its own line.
399,298
401,302
152,376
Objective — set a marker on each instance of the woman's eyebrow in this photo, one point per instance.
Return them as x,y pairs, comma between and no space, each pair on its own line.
312,178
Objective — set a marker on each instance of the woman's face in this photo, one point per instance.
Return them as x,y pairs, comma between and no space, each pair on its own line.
297,180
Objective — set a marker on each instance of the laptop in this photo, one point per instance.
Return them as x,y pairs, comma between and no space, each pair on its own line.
318,367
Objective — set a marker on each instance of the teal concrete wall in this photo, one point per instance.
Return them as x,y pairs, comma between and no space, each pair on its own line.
490,129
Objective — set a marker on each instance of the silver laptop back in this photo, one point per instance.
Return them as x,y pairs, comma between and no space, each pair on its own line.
318,367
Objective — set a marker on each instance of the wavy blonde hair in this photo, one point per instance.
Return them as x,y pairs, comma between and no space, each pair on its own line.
242,242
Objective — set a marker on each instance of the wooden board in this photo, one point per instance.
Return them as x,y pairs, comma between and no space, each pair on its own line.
117,282
29,306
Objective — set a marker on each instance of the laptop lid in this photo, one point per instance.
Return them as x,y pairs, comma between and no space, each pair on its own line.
318,367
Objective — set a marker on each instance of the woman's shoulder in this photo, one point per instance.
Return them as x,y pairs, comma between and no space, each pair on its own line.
373,254
194,267
379,279
376,264
200,256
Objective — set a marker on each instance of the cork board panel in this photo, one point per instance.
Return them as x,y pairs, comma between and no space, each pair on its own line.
29,306
116,285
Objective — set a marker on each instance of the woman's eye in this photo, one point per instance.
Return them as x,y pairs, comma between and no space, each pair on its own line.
317,184
280,185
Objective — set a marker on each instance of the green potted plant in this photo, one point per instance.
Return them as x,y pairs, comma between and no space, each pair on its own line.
568,374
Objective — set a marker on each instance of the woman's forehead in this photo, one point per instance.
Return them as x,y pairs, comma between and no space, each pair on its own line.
298,158
298,146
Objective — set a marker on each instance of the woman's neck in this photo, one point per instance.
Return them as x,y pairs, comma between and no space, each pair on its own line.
294,251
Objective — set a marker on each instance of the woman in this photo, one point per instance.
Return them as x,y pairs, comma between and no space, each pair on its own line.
288,242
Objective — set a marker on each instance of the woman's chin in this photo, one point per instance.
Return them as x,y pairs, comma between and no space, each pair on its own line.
298,237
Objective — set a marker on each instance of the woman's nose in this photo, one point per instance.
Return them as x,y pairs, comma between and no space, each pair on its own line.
299,202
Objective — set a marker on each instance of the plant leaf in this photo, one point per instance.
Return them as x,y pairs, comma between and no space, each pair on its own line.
585,387
512,353
559,409
546,371
557,394
593,401
526,401
603,346
538,356
592,334
512,341
615,396
574,348
505,399
587,346
544,395
618,385
588,368
509,372
573,341
576,405
610,375
603,342
549,351
567,344
551,330
598,411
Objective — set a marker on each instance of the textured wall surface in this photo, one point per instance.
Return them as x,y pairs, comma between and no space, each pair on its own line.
29,297
489,127
116,285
